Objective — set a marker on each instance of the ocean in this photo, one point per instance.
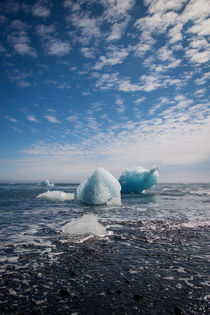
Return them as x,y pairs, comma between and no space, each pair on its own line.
152,259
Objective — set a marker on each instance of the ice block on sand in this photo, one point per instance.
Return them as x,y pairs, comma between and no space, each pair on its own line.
101,188
88,224
137,179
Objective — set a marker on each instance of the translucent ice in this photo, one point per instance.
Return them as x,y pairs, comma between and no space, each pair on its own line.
101,188
88,224
137,179
46,183
56,195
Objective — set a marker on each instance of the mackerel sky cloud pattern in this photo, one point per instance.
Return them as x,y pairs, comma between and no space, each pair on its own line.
112,83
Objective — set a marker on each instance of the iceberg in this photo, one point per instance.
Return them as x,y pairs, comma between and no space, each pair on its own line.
137,179
46,183
56,195
101,188
88,224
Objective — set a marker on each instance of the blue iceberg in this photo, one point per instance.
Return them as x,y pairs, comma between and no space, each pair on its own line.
138,179
101,188
46,183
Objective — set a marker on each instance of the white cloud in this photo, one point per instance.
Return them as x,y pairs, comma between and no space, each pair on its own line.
197,56
44,30
114,56
32,118
57,47
20,40
11,119
88,52
89,27
196,9
138,143
150,82
20,78
51,119
117,31
40,9
116,10
64,86
203,79
201,27
164,5
175,33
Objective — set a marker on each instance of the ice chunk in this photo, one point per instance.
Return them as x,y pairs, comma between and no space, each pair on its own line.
137,179
88,224
56,195
46,183
101,188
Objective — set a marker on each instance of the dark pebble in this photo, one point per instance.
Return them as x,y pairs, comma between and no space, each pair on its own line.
109,291
118,291
64,292
138,297
177,311
72,273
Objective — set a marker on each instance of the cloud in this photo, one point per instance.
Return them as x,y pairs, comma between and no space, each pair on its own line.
175,33
32,118
114,56
11,119
116,10
57,47
201,28
88,27
117,30
195,9
131,143
20,78
51,119
88,52
20,40
40,9
44,30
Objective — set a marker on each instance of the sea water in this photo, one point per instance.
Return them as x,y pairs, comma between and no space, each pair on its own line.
152,257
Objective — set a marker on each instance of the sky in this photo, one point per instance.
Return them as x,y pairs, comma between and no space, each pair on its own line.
110,83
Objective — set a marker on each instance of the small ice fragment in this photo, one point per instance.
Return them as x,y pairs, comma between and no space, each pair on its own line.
46,183
101,188
56,195
88,224
137,179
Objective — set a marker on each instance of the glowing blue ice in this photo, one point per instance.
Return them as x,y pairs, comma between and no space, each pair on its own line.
46,183
101,188
137,179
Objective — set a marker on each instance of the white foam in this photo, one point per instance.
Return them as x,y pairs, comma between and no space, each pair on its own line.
56,195
88,224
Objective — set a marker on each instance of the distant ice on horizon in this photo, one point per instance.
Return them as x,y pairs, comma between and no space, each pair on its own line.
46,183
101,188
56,195
138,179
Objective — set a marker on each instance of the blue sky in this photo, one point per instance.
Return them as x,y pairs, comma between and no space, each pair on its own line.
112,83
